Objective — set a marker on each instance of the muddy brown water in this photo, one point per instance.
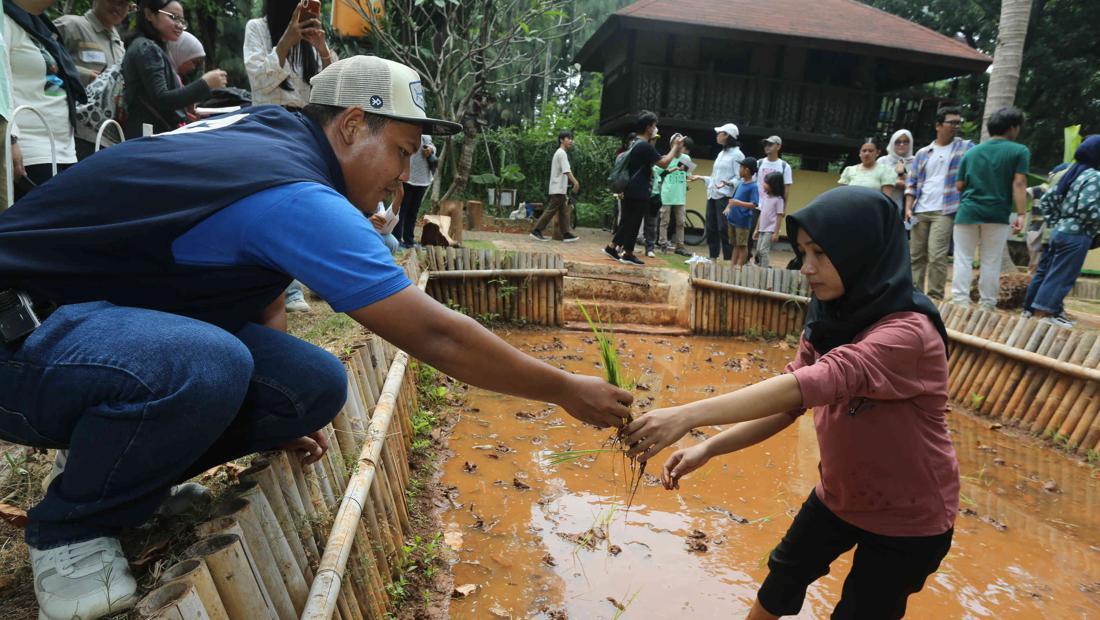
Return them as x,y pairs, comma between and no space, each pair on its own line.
527,551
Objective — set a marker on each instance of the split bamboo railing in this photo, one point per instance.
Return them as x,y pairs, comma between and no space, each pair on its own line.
731,301
1026,373
497,285
313,541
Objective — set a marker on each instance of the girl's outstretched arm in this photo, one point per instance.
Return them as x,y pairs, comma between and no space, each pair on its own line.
743,435
652,432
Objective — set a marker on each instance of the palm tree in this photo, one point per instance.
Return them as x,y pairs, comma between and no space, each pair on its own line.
1007,58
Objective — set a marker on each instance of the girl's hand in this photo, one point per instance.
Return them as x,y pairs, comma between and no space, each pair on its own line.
726,211
694,177
681,463
654,431
775,237
756,235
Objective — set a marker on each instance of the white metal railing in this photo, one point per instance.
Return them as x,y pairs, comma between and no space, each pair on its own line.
7,140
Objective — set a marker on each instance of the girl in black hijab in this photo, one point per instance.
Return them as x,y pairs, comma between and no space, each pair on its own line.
872,363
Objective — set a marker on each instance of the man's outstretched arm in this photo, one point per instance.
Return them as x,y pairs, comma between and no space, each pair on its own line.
463,349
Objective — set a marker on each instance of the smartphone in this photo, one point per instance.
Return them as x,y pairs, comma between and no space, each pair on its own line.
311,9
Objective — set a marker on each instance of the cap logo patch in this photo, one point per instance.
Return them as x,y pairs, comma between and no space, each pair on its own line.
417,92
375,101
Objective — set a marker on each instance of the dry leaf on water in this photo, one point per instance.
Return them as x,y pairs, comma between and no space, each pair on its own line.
464,590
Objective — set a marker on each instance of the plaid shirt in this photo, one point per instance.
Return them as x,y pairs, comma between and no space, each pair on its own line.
914,184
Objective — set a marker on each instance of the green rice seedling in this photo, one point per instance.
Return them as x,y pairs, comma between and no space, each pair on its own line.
609,356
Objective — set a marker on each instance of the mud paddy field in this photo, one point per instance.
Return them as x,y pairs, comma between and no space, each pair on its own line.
534,539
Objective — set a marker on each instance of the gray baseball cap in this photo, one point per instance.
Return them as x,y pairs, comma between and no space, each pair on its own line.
377,86
774,140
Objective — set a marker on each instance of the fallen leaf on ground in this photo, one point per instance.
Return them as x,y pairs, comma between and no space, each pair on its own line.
13,515
617,604
469,467
521,485
453,539
549,560
152,550
614,550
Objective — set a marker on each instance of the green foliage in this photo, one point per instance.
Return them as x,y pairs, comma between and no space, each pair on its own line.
605,339
1059,84
519,156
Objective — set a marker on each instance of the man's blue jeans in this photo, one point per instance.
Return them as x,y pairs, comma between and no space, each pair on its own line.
1057,272
144,400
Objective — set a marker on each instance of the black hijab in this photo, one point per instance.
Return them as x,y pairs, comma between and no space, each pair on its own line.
859,230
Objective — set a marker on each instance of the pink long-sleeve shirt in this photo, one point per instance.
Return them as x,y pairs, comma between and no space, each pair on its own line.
880,409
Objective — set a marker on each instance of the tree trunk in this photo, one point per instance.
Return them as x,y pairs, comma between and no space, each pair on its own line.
465,159
1007,59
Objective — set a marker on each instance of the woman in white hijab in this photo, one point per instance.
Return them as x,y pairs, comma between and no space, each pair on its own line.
899,156
186,53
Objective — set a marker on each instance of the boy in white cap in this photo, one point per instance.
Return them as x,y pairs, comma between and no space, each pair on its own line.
161,349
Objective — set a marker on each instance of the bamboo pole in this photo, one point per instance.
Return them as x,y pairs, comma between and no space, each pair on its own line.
1051,378
176,599
236,520
239,587
1043,332
1069,390
282,552
1040,361
1009,379
263,472
194,572
326,585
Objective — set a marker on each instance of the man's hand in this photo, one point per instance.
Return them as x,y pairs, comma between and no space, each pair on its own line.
310,448
775,237
378,220
654,431
908,213
595,401
755,235
681,463
576,187
1018,223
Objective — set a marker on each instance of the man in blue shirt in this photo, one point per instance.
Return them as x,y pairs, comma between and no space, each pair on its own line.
157,268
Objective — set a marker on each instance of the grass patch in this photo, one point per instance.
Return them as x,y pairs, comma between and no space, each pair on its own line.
478,244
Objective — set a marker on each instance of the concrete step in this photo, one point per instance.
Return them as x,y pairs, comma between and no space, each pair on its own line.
614,289
632,328
620,312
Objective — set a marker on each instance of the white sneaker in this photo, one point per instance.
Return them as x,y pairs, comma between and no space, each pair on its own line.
650,254
297,305
85,580
1060,321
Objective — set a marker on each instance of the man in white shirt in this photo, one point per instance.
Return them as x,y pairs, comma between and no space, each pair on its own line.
931,196
560,177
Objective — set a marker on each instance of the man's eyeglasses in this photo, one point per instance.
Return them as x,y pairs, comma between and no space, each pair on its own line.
176,19
954,123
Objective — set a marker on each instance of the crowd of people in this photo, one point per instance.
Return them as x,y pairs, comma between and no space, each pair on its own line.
950,195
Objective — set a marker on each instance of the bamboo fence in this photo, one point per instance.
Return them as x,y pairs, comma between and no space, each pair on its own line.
729,301
494,285
1026,373
1086,289
312,541
1020,372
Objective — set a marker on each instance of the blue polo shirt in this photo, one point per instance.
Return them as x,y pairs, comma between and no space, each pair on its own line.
306,230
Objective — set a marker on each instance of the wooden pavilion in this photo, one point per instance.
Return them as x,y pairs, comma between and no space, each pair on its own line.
823,74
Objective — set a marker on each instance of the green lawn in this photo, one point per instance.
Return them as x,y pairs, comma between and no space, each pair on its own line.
477,244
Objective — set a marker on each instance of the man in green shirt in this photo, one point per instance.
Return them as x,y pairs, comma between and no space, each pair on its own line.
992,180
